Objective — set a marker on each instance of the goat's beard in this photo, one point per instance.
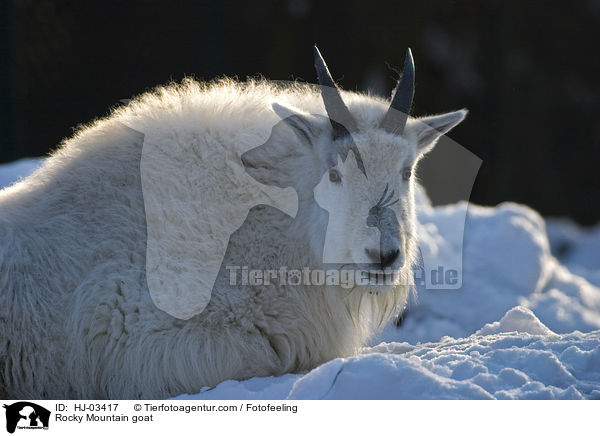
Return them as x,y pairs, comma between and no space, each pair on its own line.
372,306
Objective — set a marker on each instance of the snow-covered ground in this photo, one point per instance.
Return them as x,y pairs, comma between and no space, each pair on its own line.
525,324
13,171
514,358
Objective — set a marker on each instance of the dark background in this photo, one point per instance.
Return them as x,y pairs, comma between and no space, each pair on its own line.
528,72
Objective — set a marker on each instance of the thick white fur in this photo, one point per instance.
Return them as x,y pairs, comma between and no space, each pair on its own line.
76,318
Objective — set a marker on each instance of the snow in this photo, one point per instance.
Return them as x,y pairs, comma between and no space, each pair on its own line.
524,325
518,319
16,170
501,365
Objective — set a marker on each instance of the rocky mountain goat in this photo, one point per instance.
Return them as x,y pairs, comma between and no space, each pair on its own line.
77,319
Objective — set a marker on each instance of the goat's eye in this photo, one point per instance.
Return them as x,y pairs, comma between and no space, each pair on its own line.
406,173
334,176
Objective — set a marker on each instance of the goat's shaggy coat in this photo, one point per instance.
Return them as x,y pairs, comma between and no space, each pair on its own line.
76,317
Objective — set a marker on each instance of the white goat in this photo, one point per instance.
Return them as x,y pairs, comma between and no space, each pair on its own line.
76,317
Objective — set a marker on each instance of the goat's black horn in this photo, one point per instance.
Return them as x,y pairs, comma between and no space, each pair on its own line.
395,118
340,117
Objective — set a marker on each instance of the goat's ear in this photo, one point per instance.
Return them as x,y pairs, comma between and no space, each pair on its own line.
429,129
285,155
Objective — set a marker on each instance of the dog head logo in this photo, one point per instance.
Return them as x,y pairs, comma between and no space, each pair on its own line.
26,415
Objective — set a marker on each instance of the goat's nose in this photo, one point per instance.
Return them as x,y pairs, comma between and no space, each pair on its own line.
388,258
384,259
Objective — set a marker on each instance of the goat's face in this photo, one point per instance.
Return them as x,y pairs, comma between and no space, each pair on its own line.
363,177
363,180
368,197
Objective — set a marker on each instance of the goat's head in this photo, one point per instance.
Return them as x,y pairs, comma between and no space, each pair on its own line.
361,173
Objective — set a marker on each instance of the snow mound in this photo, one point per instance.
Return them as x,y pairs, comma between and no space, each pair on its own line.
507,262
533,364
518,319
